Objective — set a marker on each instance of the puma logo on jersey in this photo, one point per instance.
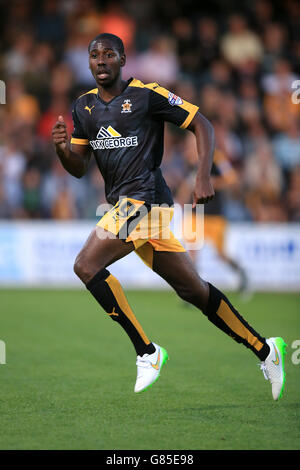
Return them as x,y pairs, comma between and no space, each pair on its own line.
109,138
89,109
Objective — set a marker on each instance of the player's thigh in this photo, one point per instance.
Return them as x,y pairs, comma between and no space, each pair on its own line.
178,270
99,251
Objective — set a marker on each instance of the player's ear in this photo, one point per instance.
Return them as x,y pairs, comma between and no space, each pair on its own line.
122,60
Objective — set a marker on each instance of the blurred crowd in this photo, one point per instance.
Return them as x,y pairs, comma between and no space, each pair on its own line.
238,61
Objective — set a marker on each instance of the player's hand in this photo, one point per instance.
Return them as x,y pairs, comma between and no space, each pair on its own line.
59,133
203,191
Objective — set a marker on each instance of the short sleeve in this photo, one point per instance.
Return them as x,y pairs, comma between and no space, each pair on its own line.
78,136
166,106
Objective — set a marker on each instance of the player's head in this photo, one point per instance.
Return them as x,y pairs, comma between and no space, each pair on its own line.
112,38
106,57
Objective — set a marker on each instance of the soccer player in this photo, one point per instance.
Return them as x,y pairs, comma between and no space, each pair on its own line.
122,123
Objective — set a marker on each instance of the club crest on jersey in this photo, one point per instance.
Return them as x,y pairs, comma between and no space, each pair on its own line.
174,100
126,106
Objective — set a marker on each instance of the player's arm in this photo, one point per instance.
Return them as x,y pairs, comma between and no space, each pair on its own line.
74,158
205,141
168,107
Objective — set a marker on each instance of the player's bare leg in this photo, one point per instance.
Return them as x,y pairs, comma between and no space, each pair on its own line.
90,265
97,254
178,270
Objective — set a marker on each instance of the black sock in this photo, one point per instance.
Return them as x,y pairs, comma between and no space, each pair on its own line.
108,292
222,314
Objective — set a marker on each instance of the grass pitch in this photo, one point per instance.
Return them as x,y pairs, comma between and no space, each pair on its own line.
70,371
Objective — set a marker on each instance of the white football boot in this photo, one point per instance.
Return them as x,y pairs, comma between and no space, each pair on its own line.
149,367
273,366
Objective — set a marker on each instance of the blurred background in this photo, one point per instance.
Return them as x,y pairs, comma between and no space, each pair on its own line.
237,61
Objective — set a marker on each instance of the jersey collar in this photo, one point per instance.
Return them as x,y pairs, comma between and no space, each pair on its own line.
109,102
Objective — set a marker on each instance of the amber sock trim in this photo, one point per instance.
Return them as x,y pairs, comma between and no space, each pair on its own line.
108,292
221,313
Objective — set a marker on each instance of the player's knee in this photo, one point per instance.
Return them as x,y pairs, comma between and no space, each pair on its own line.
192,294
186,293
84,269
79,267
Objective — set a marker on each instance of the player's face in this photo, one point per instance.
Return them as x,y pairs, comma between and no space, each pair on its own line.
105,62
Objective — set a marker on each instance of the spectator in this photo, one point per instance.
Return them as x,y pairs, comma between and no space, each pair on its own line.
5,212
263,186
207,30
187,47
229,142
116,21
36,76
293,195
12,166
61,81
60,106
263,13
63,207
210,101
275,46
228,111
220,75
83,17
32,193
255,134
50,24
240,77
240,46
76,50
280,80
277,103
262,174
23,107
58,181
287,146
19,16
160,62
16,59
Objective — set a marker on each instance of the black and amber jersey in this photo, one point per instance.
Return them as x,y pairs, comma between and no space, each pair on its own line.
126,135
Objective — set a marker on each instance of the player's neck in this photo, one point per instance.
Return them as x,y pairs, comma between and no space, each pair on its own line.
110,92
